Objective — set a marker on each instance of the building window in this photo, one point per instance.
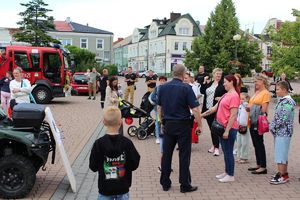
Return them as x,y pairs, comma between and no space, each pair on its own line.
83,43
183,31
106,55
99,43
184,45
153,33
65,42
269,51
176,46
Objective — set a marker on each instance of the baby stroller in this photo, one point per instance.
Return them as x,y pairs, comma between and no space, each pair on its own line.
146,122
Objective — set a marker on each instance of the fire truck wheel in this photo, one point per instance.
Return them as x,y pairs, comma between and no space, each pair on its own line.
42,95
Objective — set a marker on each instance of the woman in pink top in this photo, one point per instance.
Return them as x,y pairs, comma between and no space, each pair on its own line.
227,109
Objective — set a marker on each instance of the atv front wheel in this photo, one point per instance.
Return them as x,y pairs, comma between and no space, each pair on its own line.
17,177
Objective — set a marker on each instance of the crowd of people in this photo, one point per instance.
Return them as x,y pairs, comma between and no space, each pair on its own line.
232,114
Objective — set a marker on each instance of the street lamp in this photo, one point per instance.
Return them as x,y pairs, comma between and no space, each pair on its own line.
236,38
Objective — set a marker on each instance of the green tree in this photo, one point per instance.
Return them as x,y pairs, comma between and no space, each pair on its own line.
84,59
286,48
35,24
216,47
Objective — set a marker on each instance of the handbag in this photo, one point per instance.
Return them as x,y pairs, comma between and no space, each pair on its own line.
217,128
242,129
262,124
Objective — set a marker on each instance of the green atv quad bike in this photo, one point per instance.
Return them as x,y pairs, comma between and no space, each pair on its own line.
24,148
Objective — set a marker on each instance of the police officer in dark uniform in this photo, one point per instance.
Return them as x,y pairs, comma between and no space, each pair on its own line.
151,81
130,79
175,99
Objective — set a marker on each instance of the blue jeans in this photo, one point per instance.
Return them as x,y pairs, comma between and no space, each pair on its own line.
114,197
227,148
157,125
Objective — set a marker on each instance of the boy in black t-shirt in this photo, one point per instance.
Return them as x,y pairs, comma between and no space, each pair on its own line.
114,157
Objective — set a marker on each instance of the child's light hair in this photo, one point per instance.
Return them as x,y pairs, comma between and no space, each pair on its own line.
112,116
246,96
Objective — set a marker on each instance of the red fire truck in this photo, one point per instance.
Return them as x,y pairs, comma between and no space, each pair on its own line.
44,67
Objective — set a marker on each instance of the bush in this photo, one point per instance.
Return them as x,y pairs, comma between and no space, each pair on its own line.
258,69
112,69
289,71
296,98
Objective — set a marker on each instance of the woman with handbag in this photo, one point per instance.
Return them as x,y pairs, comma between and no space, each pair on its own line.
226,116
112,96
20,88
212,91
260,100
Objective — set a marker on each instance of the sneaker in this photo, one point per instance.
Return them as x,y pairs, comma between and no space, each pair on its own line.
94,98
211,150
226,179
157,141
274,175
220,176
216,152
278,179
89,98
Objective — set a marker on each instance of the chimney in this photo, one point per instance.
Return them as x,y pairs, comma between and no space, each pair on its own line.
68,19
174,16
87,24
165,20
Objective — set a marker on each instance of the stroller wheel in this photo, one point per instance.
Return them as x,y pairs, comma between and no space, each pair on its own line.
132,130
142,134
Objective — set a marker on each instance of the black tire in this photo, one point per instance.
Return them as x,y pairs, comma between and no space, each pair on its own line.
143,76
17,177
142,134
42,94
132,130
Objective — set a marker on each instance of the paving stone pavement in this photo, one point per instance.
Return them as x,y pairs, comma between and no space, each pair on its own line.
204,167
78,118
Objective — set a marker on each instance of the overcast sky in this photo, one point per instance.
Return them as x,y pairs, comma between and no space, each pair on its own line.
122,16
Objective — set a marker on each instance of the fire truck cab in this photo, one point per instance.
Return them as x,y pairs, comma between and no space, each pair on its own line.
44,67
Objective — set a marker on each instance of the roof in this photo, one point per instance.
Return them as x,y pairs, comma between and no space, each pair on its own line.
123,42
263,37
170,28
64,26
87,29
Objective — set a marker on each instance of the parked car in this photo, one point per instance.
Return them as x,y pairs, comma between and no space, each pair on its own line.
79,83
269,72
122,73
144,73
